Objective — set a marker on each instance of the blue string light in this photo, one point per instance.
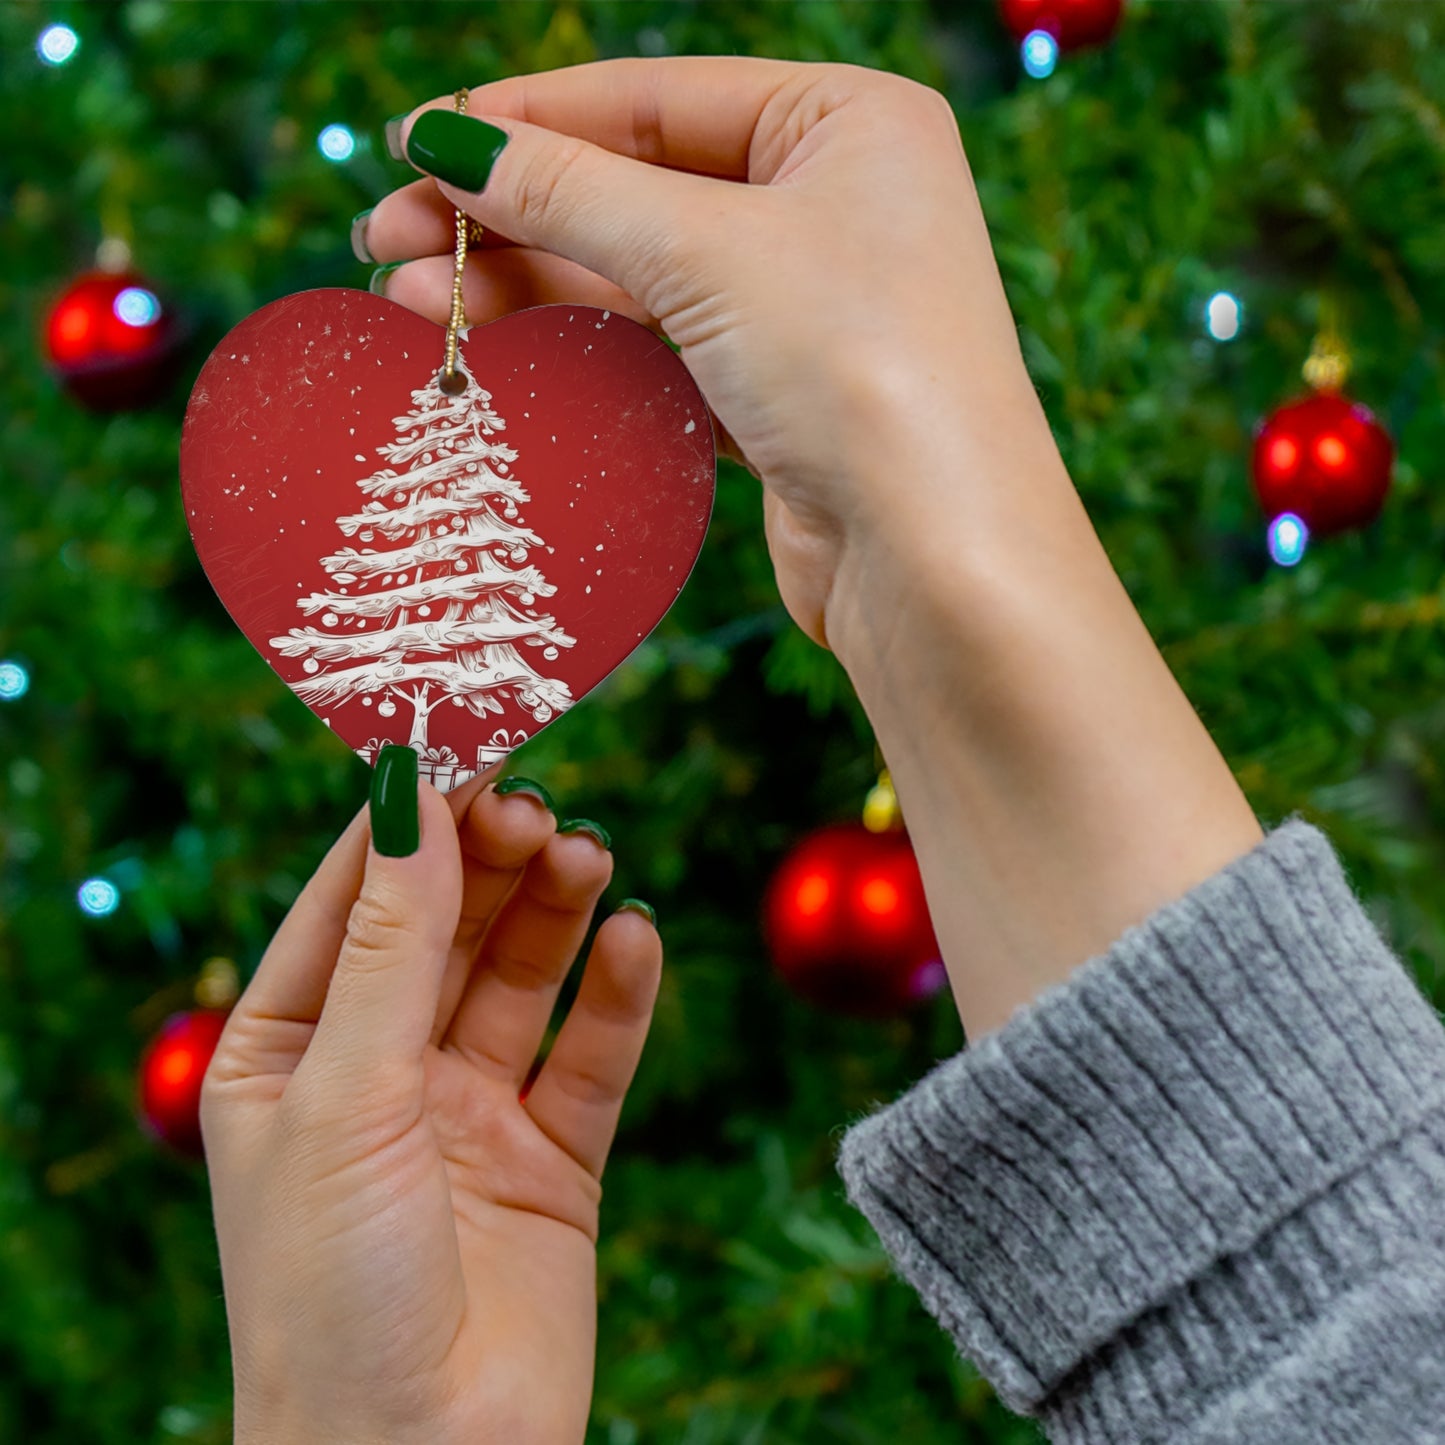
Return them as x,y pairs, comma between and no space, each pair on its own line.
1288,538
57,44
336,143
14,681
98,897
1040,52
136,306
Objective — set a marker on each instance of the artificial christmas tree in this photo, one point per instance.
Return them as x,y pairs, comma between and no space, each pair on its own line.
1270,150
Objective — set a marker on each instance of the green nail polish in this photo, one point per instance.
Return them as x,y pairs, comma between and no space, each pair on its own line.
586,825
377,284
636,905
455,148
359,248
395,824
526,785
392,132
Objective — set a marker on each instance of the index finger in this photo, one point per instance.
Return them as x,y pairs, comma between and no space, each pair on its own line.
696,113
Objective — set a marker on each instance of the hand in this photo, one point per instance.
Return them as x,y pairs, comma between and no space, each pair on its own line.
843,298
408,1249
844,316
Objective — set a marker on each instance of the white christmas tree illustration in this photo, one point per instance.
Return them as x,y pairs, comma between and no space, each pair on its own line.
444,612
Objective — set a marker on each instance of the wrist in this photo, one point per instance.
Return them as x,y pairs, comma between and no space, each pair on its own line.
1056,782
956,469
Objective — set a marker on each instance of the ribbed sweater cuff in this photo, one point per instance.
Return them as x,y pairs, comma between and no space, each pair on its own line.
1129,1160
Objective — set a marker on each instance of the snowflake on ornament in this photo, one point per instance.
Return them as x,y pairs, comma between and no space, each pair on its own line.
443,612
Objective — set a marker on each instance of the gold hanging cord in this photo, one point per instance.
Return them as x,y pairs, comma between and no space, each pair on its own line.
451,381
1328,367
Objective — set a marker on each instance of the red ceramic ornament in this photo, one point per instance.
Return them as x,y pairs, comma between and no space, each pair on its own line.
111,340
448,572
1073,23
172,1070
847,924
1324,458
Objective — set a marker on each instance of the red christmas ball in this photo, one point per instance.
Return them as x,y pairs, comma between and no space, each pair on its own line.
171,1071
847,924
111,341
1324,458
1073,23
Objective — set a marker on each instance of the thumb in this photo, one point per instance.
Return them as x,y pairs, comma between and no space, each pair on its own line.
633,223
382,999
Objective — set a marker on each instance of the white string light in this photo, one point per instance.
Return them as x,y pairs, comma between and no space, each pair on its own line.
57,44
14,681
336,143
98,897
1223,316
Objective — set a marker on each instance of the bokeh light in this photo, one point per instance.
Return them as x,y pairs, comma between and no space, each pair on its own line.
813,894
1223,316
336,143
137,307
1283,454
1288,538
14,681
879,897
57,44
1040,52
929,979
177,1066
98,897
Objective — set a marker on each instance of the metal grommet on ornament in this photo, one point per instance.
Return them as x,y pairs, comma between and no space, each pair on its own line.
881,813
449,379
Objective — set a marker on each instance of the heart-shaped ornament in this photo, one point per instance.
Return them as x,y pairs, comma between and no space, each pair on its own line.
448,572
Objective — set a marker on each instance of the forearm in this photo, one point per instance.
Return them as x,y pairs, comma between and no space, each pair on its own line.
1057,785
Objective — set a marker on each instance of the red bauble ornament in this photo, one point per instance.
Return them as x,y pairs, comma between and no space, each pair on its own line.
171,1071
847,923
1324,458
1073,23
112,341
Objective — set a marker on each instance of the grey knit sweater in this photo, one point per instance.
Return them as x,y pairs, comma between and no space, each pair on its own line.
1196,1192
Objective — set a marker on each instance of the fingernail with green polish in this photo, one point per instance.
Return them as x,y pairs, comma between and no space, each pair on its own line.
636,905
377,284
455,148
393,136
395,824
359,248
526,785
586,825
